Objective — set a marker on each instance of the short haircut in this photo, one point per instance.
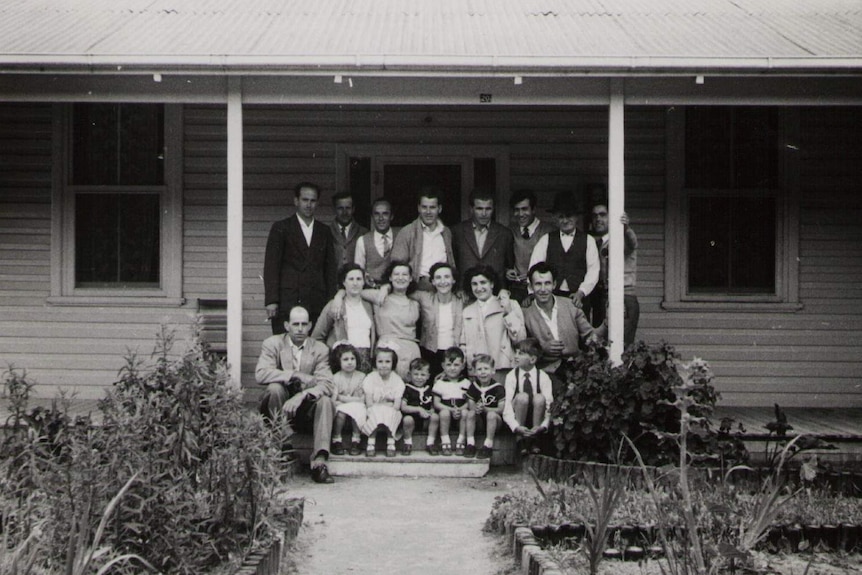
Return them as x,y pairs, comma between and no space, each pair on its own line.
482,358
483,194
420,363
303,185
519,196
440,266
391,268
530,346
378,201
542,268
346,269
342,196
388,350
336,353
481,270
453,353
430,192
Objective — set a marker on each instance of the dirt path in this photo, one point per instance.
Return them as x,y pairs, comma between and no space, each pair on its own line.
384,525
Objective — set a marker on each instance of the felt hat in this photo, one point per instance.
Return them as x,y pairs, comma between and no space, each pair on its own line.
567,203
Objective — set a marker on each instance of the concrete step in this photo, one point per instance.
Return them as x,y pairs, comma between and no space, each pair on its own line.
417,464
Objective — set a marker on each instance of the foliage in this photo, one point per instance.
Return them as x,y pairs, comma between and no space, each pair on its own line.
207,470
601,402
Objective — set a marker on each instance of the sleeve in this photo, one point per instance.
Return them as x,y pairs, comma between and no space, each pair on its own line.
582,324
272,264
359,254
631,241
540,251
508,410
324,324
515,326
401,244
331,266
593,266
322,374
269,369
473,392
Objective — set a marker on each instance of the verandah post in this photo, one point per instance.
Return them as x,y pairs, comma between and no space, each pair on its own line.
234,229
616,207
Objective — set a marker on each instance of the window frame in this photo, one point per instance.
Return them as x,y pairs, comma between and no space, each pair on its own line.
64,290
676,281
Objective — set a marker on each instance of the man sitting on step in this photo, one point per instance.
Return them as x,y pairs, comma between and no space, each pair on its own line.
295,369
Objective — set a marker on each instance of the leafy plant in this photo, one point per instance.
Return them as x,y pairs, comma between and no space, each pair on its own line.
601,402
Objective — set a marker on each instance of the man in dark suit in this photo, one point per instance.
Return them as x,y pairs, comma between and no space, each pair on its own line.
480,240
345,230
299,266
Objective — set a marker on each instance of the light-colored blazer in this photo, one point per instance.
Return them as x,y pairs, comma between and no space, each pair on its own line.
496,328
572,324
429,309
275,364
330,329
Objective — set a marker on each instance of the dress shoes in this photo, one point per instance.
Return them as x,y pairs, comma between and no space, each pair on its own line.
320,474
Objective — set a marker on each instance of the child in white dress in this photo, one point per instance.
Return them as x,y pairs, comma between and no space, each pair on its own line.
349,397
383,392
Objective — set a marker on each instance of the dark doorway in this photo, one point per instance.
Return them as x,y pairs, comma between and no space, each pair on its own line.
401,182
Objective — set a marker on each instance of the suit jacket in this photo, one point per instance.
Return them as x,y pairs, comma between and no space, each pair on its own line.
498,251
407,246
572,325
295,273
496,328
275,364
345,248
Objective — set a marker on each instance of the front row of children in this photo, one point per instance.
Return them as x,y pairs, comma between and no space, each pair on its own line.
382,403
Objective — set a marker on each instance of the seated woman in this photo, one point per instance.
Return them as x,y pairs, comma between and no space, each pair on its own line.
347,317
490,323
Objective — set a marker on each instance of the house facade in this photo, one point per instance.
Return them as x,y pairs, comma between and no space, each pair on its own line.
141,168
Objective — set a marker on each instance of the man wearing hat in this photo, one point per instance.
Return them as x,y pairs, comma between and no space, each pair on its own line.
570,250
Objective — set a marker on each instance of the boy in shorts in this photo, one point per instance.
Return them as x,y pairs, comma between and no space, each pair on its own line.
485,400
417,405
527,409
450,399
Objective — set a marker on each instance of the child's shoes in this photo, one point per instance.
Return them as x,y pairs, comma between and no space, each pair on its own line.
390,451
371,450
470,450
433,450
337,448
459,449
446,449
355,449
484,452
407,449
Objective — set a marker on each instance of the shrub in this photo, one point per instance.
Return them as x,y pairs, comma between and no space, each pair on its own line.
600,403
208,470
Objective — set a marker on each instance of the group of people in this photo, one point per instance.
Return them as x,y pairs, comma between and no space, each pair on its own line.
411,350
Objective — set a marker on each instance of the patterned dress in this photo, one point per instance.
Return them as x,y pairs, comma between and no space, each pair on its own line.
382,396
396,321
347,387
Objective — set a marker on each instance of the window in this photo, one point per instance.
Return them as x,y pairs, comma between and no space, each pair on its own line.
731,206
118,203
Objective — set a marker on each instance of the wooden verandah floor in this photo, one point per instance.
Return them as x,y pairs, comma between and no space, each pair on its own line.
842,427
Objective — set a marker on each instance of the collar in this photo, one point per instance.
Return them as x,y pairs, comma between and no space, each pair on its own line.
479,227
533,225
387,234
345,228
295,347
438,228
571,235
303,224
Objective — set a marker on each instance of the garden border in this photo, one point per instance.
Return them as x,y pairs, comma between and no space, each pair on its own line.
268,561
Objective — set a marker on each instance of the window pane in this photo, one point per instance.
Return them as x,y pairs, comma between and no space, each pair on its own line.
401,182
731,245
360,187
707,147
756,148
117,239
118,144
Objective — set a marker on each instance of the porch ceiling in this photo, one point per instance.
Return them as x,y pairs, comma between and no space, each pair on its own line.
432,36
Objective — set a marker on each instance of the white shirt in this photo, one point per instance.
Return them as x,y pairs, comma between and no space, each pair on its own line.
445,326
307,229
296,353
591,278
531,229
357,323
481,234
551,320
433,248
360,258
541,383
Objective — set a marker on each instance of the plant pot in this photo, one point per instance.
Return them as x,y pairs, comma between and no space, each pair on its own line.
830,537
633,553
794,535
612,553
849,537
655,551
811,534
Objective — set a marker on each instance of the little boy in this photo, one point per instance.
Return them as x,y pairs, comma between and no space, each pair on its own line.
527,409
450,400
485,397
417,405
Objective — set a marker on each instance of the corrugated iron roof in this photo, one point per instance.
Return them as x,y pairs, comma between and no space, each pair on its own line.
286,35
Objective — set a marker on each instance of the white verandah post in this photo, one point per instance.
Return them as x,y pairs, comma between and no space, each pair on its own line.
616,207
234,229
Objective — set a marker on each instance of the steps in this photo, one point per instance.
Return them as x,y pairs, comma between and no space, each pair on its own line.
417,464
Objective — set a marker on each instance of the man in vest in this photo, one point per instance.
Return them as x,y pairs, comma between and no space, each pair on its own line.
570,251
374,249
345,231
527,229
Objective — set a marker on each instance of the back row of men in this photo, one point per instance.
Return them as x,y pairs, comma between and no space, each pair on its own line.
303,255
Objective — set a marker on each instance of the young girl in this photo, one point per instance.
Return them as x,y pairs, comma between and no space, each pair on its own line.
349,397
383,392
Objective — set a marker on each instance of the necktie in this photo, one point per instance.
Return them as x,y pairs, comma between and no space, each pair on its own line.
344,231
528,387
387,246
525,233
